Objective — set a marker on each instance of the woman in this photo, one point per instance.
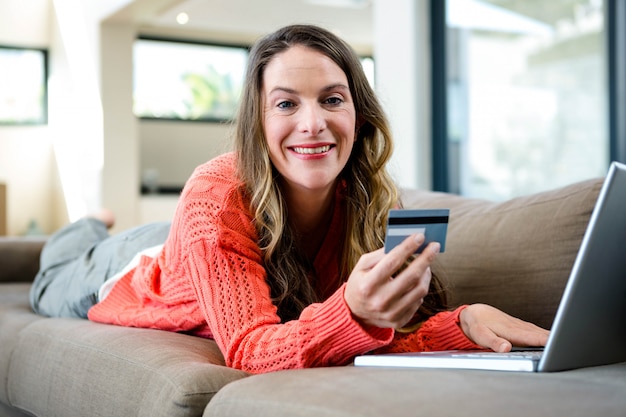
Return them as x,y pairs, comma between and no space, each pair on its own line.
275,249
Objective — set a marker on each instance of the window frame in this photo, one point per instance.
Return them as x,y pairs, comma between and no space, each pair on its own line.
43,120
615,18
184,41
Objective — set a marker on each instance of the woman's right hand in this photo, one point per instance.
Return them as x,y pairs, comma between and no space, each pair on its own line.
377,298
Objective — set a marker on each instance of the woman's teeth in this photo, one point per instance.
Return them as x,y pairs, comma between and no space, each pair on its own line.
312,151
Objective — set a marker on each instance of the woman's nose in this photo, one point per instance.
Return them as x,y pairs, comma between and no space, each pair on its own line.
312,119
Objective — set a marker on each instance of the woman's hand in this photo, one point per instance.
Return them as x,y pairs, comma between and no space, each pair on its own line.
378,299
491,328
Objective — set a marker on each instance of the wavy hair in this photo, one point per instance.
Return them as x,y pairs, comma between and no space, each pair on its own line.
370,191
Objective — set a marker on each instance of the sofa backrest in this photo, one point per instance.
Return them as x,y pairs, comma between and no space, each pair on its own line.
515,255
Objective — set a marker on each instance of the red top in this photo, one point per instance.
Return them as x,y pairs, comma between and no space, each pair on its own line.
210,281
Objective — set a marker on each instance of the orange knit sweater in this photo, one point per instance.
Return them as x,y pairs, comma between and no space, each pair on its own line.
209,281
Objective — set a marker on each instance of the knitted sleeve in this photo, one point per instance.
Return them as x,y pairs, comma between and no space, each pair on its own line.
220,256
440,332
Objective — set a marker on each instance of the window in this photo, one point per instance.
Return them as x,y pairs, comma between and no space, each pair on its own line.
368,67
179,80
23,86
525,104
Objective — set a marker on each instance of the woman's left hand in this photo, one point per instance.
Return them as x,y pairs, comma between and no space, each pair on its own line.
491,328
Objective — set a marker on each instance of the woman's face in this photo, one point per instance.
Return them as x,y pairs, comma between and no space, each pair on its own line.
309,118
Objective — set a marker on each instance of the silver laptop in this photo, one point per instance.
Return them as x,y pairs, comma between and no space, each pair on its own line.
589,328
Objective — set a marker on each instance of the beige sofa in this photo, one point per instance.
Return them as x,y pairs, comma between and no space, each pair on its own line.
515,255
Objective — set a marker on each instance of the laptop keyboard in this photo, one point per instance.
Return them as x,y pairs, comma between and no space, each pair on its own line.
518,354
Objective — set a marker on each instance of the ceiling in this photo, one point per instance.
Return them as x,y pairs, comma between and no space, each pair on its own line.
249,19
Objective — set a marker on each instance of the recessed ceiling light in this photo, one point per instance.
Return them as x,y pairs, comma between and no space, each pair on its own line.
182,18
352,4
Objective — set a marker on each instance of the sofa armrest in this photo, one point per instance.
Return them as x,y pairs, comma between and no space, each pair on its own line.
19,258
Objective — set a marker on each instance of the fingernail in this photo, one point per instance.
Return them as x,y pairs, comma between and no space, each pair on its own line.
419,238
436,247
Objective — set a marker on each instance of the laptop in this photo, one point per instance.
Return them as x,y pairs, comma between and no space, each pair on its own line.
589,328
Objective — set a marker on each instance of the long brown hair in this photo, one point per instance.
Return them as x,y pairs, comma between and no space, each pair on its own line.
370,191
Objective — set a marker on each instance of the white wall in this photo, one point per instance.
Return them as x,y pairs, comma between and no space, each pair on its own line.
131,146
38,163
27,168
14,31
174,149
26,159
401,54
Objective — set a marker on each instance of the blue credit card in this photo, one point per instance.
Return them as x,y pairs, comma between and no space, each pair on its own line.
433,223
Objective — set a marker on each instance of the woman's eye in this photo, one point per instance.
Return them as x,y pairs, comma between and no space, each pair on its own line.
334,100
285,104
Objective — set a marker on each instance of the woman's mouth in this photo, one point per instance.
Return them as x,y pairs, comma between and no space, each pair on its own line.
311,151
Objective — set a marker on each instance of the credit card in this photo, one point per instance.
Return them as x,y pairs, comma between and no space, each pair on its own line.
433,223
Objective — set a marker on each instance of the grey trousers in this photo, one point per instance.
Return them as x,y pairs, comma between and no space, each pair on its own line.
79,258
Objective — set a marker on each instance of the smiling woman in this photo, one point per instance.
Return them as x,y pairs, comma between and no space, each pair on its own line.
275,249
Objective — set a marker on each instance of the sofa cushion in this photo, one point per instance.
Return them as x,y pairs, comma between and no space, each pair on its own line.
6,411
516,255
375,392
15,314
77,368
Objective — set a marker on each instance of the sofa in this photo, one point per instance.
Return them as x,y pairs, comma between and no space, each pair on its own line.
515,255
